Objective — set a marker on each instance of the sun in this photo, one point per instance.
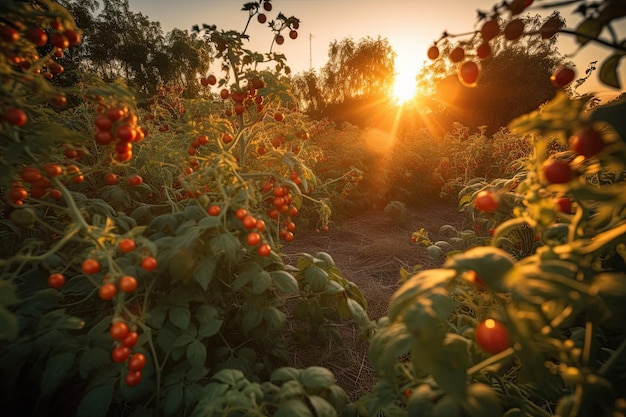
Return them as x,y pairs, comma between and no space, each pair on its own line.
404,86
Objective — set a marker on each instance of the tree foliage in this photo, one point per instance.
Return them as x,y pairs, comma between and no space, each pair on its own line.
356,80
121,44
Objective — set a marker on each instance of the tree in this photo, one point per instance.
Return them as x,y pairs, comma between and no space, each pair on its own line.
356,80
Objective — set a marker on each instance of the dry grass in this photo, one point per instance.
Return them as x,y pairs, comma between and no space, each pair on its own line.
370,251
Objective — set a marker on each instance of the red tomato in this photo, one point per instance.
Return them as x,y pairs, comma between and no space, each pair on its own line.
469,73
253,238
149,263
433,52
127,245
15,117
110,179
56,281
37,36
214,210
127,283
564,204
556,171
280,39
107,291
90,266
52,169
279,117
249,222
457,54
264,249
119,330
587,142
241,213
135,180
130,340
486,201
55,194
562,76
490,30
137,362
133,378
492,336
30,174
120,354
514,29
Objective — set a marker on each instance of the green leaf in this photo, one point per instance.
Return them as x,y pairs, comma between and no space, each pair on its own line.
183,340
285,282
286,373
180,316
209,222
203,271
225,243
196,354
358,312
588,29
490,264
56,370
92,359
449,367
322,407
8,294
274,318
608,71
316,377
292,408
482,401
247,273
612,114
96,402
9,326
173,400
421,283
229,376
209,323
317,278
156,316
251,318
166,339
261,282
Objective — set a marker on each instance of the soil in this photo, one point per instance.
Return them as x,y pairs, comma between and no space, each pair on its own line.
370,250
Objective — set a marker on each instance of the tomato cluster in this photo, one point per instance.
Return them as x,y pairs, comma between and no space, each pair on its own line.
281,208
37,182
117,126
281,23
469,68
245,100
125,341
19,41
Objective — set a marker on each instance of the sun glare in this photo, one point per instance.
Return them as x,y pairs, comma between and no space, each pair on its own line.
404,87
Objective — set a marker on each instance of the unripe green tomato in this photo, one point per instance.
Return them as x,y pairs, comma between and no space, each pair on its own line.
23,217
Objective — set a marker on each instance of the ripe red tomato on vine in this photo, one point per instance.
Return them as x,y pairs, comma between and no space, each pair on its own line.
492,336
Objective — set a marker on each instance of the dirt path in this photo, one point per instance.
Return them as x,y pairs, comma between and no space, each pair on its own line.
370,251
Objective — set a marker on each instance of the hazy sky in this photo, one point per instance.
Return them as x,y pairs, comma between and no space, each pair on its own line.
409,25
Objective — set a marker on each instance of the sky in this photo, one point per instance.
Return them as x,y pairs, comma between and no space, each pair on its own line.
410,26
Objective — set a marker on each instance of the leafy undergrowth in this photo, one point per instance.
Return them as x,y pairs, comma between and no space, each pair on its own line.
370,250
